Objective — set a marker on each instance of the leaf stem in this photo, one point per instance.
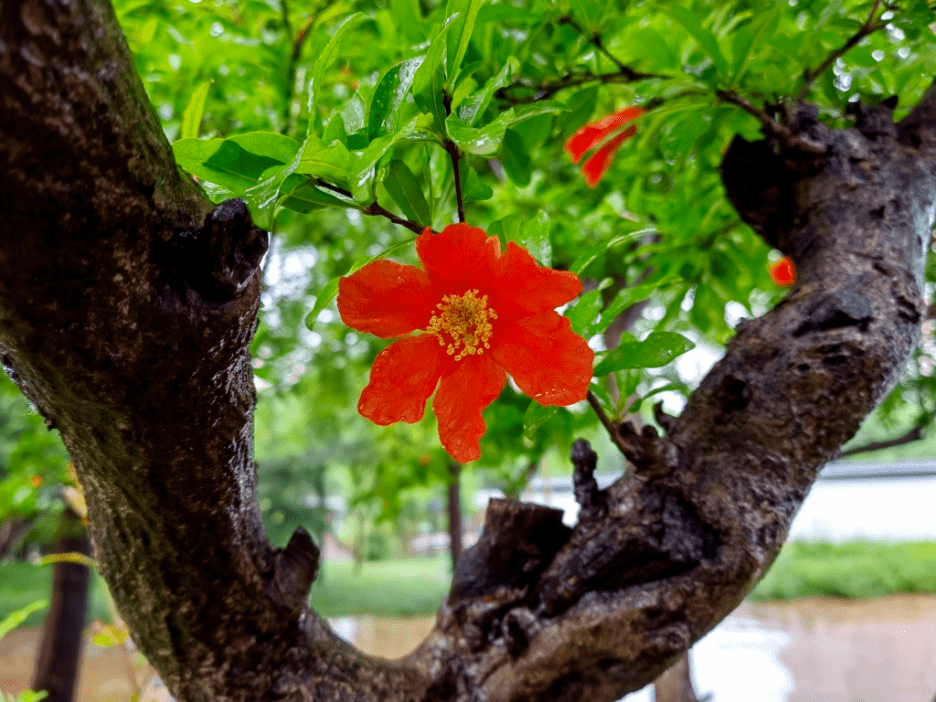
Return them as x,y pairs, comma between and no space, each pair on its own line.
606,422
454,153
375,209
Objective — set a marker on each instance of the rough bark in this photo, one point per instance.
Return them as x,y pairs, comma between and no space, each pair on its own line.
127,305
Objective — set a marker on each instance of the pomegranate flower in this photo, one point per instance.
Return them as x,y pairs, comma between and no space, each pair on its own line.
482,314
783,272
593,134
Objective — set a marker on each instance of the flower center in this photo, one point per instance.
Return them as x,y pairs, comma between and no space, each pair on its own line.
466,321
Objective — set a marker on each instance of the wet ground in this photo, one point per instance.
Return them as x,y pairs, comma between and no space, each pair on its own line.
815,650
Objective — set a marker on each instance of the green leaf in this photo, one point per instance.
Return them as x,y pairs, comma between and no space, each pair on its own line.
13,620
389,96
364,165
465,13
753,35
590,255
407,193
486,141
473,190
626,297
534,237
192,117
428,83
535,416
473,107
584,311
325,60
328,293
705,38
236,163
331,162
308,198
658,349
516,160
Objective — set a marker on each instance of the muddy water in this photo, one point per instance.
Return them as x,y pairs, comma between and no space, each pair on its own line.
804,651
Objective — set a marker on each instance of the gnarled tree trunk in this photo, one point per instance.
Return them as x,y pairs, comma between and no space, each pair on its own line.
127,305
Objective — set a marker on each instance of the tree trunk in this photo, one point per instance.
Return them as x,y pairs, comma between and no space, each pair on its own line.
127,306
675,685
59,657
455,527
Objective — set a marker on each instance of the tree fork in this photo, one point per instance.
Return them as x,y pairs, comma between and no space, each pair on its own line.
134,344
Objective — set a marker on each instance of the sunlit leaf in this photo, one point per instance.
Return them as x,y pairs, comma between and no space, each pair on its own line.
192,117
658,349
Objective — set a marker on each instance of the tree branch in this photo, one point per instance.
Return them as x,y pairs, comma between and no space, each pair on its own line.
869,27
374,209
914,434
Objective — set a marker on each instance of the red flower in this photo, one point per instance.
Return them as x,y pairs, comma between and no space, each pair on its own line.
483,314
783,272
592,134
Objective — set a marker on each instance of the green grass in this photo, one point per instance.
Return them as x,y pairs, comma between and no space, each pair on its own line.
417,586
855,570
404,587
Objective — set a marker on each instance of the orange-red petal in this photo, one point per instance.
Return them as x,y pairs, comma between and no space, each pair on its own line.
459,252
548,361
386,299
783,272
598,163
402,378
462,395
593,133
525,288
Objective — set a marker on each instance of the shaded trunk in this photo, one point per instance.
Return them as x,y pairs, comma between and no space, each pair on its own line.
675,685
59,658
455,527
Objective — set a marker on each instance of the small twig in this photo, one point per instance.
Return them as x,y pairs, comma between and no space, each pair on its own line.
869,26
297,41
606,422
374,209
915,434
772,127
454,153
623,74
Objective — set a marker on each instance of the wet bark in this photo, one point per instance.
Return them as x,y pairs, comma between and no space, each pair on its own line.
58,660
127,304
455,527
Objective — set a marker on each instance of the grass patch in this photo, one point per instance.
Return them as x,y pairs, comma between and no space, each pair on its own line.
854,570
417,586
397,588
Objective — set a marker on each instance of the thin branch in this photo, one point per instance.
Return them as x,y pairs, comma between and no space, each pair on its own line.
915,434
606,422
772,127
454,153
870,25
374,209
297,43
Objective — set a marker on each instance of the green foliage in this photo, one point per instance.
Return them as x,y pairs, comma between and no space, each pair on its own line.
379,99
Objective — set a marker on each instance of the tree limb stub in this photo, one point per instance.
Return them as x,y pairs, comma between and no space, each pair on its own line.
134,344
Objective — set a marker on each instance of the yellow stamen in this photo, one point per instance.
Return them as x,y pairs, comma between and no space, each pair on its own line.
466,321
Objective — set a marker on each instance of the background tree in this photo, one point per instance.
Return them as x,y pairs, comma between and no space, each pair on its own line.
128,299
